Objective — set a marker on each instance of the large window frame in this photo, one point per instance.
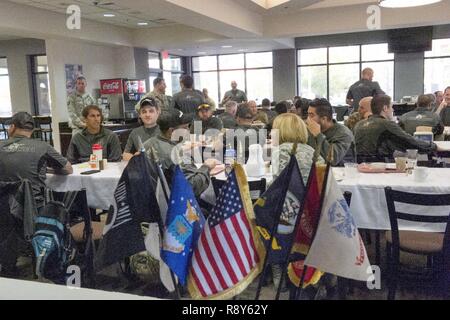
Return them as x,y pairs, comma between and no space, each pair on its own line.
161,71
35,74
221,91
6,75
329,64
434,57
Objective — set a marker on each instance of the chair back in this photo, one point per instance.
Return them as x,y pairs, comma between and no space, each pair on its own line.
424,129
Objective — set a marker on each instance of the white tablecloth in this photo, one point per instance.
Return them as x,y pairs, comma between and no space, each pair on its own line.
443,145
368,204
99,187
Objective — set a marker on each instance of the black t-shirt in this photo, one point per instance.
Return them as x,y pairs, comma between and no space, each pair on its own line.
187,101
25,158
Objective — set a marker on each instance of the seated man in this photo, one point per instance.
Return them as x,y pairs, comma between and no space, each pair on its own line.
328,133
148,115
164,146
204,120
444,108
364,112
266,109
421,116
229,116
378,137
80,148
24,158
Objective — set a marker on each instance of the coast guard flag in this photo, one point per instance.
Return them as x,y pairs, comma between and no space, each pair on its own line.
184,224
338,247
229,252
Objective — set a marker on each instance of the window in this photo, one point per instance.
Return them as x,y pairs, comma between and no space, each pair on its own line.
329,72
252,72
5,95
437,66
170,69
41,92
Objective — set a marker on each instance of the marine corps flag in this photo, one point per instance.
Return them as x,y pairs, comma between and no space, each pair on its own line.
135,203
306,230
337,247
229,252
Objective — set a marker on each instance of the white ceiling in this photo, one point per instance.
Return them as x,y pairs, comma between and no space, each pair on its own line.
126,16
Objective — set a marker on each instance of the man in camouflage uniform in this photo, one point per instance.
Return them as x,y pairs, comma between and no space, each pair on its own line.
158,93
76,102
364,112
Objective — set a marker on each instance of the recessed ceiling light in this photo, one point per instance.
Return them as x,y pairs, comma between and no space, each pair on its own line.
406,4
109,15
201,52
142,23
242,50
227,47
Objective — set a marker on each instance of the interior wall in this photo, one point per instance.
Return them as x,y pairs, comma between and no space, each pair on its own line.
17,53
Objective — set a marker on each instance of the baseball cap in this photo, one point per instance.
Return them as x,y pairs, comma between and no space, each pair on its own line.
203,106
147,102
22,120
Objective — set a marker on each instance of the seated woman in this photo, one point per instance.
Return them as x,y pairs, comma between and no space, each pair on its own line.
291,130
148,117
80,148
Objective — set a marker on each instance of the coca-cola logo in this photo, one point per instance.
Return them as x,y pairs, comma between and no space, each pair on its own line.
111,85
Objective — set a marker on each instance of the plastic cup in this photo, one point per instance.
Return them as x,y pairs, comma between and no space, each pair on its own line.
351,170
400,163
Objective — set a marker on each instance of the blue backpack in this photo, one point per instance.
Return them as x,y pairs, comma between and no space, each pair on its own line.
52,242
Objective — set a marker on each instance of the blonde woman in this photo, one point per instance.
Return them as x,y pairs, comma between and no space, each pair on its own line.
290,129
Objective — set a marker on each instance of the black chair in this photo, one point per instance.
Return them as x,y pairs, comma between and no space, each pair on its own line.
341,112
4,128
43,128
430,244
257,188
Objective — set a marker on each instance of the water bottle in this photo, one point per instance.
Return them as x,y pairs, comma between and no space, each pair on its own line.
230,157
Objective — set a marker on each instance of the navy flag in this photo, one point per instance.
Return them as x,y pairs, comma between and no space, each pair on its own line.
136,203
288,191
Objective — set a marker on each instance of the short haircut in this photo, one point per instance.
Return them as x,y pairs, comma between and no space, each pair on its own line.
378,102
323,108
291,128
244,112
231,104
448,88
424,101
187,81
265,103
88,109
157,81
436,92
367,71
303,105
81,78
281,107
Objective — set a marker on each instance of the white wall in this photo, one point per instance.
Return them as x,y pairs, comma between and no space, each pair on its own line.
16,52
99,62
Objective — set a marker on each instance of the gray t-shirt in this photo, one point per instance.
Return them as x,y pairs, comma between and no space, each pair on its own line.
133,143
80,148
25,158
421,117
361,89
187,101
237,95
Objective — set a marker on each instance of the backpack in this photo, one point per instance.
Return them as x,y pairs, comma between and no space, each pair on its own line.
52,242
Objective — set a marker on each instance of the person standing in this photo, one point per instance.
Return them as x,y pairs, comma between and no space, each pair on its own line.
208,100
76,102
365,87
158,94
188,100
234,94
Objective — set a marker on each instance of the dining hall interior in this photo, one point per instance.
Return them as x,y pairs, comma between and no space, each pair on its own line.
225,149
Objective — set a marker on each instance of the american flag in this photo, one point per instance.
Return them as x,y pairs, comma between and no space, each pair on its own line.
226,252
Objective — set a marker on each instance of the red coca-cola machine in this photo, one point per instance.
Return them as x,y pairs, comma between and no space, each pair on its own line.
119,97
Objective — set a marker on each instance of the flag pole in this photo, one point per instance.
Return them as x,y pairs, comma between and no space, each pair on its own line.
162,178
279,210
322,200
